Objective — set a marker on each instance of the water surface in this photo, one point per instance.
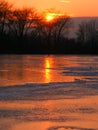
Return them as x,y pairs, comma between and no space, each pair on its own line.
39,92
17,69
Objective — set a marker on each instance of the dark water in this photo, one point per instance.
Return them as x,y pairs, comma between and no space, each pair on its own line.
48,92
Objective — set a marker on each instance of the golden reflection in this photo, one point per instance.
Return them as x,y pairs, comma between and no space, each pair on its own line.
48,66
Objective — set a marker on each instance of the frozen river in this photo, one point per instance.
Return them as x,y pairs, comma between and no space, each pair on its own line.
17,69
40,92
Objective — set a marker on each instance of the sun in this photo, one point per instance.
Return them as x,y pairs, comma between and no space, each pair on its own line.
50,17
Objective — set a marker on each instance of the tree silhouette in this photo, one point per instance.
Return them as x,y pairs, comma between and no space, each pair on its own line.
5,9
54,30
88,31
87,35
21,21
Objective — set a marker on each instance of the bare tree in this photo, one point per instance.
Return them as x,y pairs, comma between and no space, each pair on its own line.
62,24
54,30
88,31
5,9
22,21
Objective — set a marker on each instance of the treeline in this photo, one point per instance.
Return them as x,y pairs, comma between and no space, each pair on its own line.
24,31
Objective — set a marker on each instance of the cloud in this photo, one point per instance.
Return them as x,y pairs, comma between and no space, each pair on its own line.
65,1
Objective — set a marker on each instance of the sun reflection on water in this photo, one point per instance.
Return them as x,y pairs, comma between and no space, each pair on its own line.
48,63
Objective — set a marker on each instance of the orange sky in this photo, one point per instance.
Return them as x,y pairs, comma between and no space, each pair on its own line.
74,7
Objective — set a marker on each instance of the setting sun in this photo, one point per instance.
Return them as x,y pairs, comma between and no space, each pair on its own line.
50,17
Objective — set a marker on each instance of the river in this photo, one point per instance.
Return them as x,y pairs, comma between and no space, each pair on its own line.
48,92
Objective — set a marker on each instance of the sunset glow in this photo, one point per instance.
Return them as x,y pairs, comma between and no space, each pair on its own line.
76,7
